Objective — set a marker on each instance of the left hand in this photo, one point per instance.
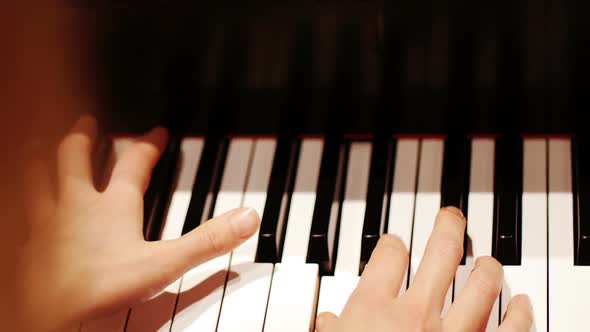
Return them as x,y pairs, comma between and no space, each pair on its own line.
86,255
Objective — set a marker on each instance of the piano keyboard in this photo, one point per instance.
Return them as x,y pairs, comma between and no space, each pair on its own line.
324,203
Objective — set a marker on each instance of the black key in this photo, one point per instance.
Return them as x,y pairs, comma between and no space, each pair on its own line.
326,211
280,188
455,177
157,196
379,186
207,182
581,191
508,200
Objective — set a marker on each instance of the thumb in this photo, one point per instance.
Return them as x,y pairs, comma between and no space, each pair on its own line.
162,262
213,238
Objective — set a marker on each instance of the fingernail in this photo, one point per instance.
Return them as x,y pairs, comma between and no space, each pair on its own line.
245,221
455,211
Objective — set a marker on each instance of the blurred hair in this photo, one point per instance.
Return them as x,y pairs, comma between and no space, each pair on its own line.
46,83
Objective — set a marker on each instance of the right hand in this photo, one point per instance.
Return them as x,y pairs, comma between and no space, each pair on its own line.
375,306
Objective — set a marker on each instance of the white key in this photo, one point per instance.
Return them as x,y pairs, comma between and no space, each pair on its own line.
302,201
428,202
249,282
403,195
569,293
353,209
335,290
531,276
245,297
290,308
293,308
156,313
201,290
111,323
480,215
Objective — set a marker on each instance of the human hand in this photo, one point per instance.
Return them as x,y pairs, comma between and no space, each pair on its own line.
375,306
86,255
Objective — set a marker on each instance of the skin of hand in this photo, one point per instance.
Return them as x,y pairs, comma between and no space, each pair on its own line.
375,304
85,255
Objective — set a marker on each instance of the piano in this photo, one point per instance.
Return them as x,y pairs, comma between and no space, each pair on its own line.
341,120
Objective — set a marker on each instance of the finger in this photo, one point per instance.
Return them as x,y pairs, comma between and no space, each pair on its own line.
325,322
441,258
133,171
38,189
74,156
519,315
471,309
384,273
214,238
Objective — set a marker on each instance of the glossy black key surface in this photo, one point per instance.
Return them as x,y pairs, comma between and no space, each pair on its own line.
377,197
455,176
508,200
581,191
280,188
157,196
207,182
327,206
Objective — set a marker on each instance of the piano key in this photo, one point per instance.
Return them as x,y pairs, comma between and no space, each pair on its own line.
403,193
249,282
508,200
531,276
335,290
480,216
581,189
206,183
302,201
353,209
292,309
201,291
255,195
378,192
327,206
245,297
569,293
293,269
158,193
455,178
428,200
293,265
277,202
156,313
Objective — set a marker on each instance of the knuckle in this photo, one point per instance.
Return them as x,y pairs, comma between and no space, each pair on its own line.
486,284
213,241
418,313
447,248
